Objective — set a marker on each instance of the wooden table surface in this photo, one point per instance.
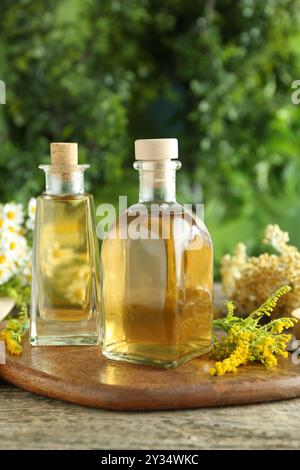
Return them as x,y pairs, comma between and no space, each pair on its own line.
32,422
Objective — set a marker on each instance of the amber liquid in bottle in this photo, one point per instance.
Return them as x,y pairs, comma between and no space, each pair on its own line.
65,301
161,310
157,288
64,272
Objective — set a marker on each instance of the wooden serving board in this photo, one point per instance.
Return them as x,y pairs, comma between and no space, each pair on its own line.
82,375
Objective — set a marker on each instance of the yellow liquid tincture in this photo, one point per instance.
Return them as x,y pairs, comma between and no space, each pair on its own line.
157,285
65,275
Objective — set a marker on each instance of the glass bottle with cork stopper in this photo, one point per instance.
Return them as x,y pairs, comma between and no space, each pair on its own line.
157,270
65,272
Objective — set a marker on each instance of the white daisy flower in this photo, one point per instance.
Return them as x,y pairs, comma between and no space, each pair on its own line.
14,245
13,214
2,218
24,267
26,275
29,224
24,260
5,274
7,268
15,253
3,258
31,210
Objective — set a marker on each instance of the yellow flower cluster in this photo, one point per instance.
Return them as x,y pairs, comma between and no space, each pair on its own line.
11,342
13,332
238,357
247,281
248,340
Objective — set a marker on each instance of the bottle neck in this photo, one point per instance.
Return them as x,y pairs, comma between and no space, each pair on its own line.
66,183
157,180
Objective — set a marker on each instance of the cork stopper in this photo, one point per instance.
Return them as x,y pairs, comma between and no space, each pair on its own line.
156,149
64,156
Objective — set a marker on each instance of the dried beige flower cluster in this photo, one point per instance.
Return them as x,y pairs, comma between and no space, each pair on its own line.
248,281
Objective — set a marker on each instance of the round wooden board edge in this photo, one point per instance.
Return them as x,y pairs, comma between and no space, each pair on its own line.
130,399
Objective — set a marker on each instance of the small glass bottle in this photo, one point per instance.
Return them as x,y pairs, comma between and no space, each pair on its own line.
157,270
65,271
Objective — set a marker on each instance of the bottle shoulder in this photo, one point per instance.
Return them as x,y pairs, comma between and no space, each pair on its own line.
174,209
181,219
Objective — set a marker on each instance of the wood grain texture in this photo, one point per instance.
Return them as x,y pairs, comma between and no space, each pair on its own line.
82,375
33,422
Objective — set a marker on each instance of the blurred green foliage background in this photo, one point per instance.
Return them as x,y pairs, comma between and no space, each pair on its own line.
217,74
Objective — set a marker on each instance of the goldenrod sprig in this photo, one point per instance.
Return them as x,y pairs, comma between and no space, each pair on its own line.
227,322
267,307
16,327
247,340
